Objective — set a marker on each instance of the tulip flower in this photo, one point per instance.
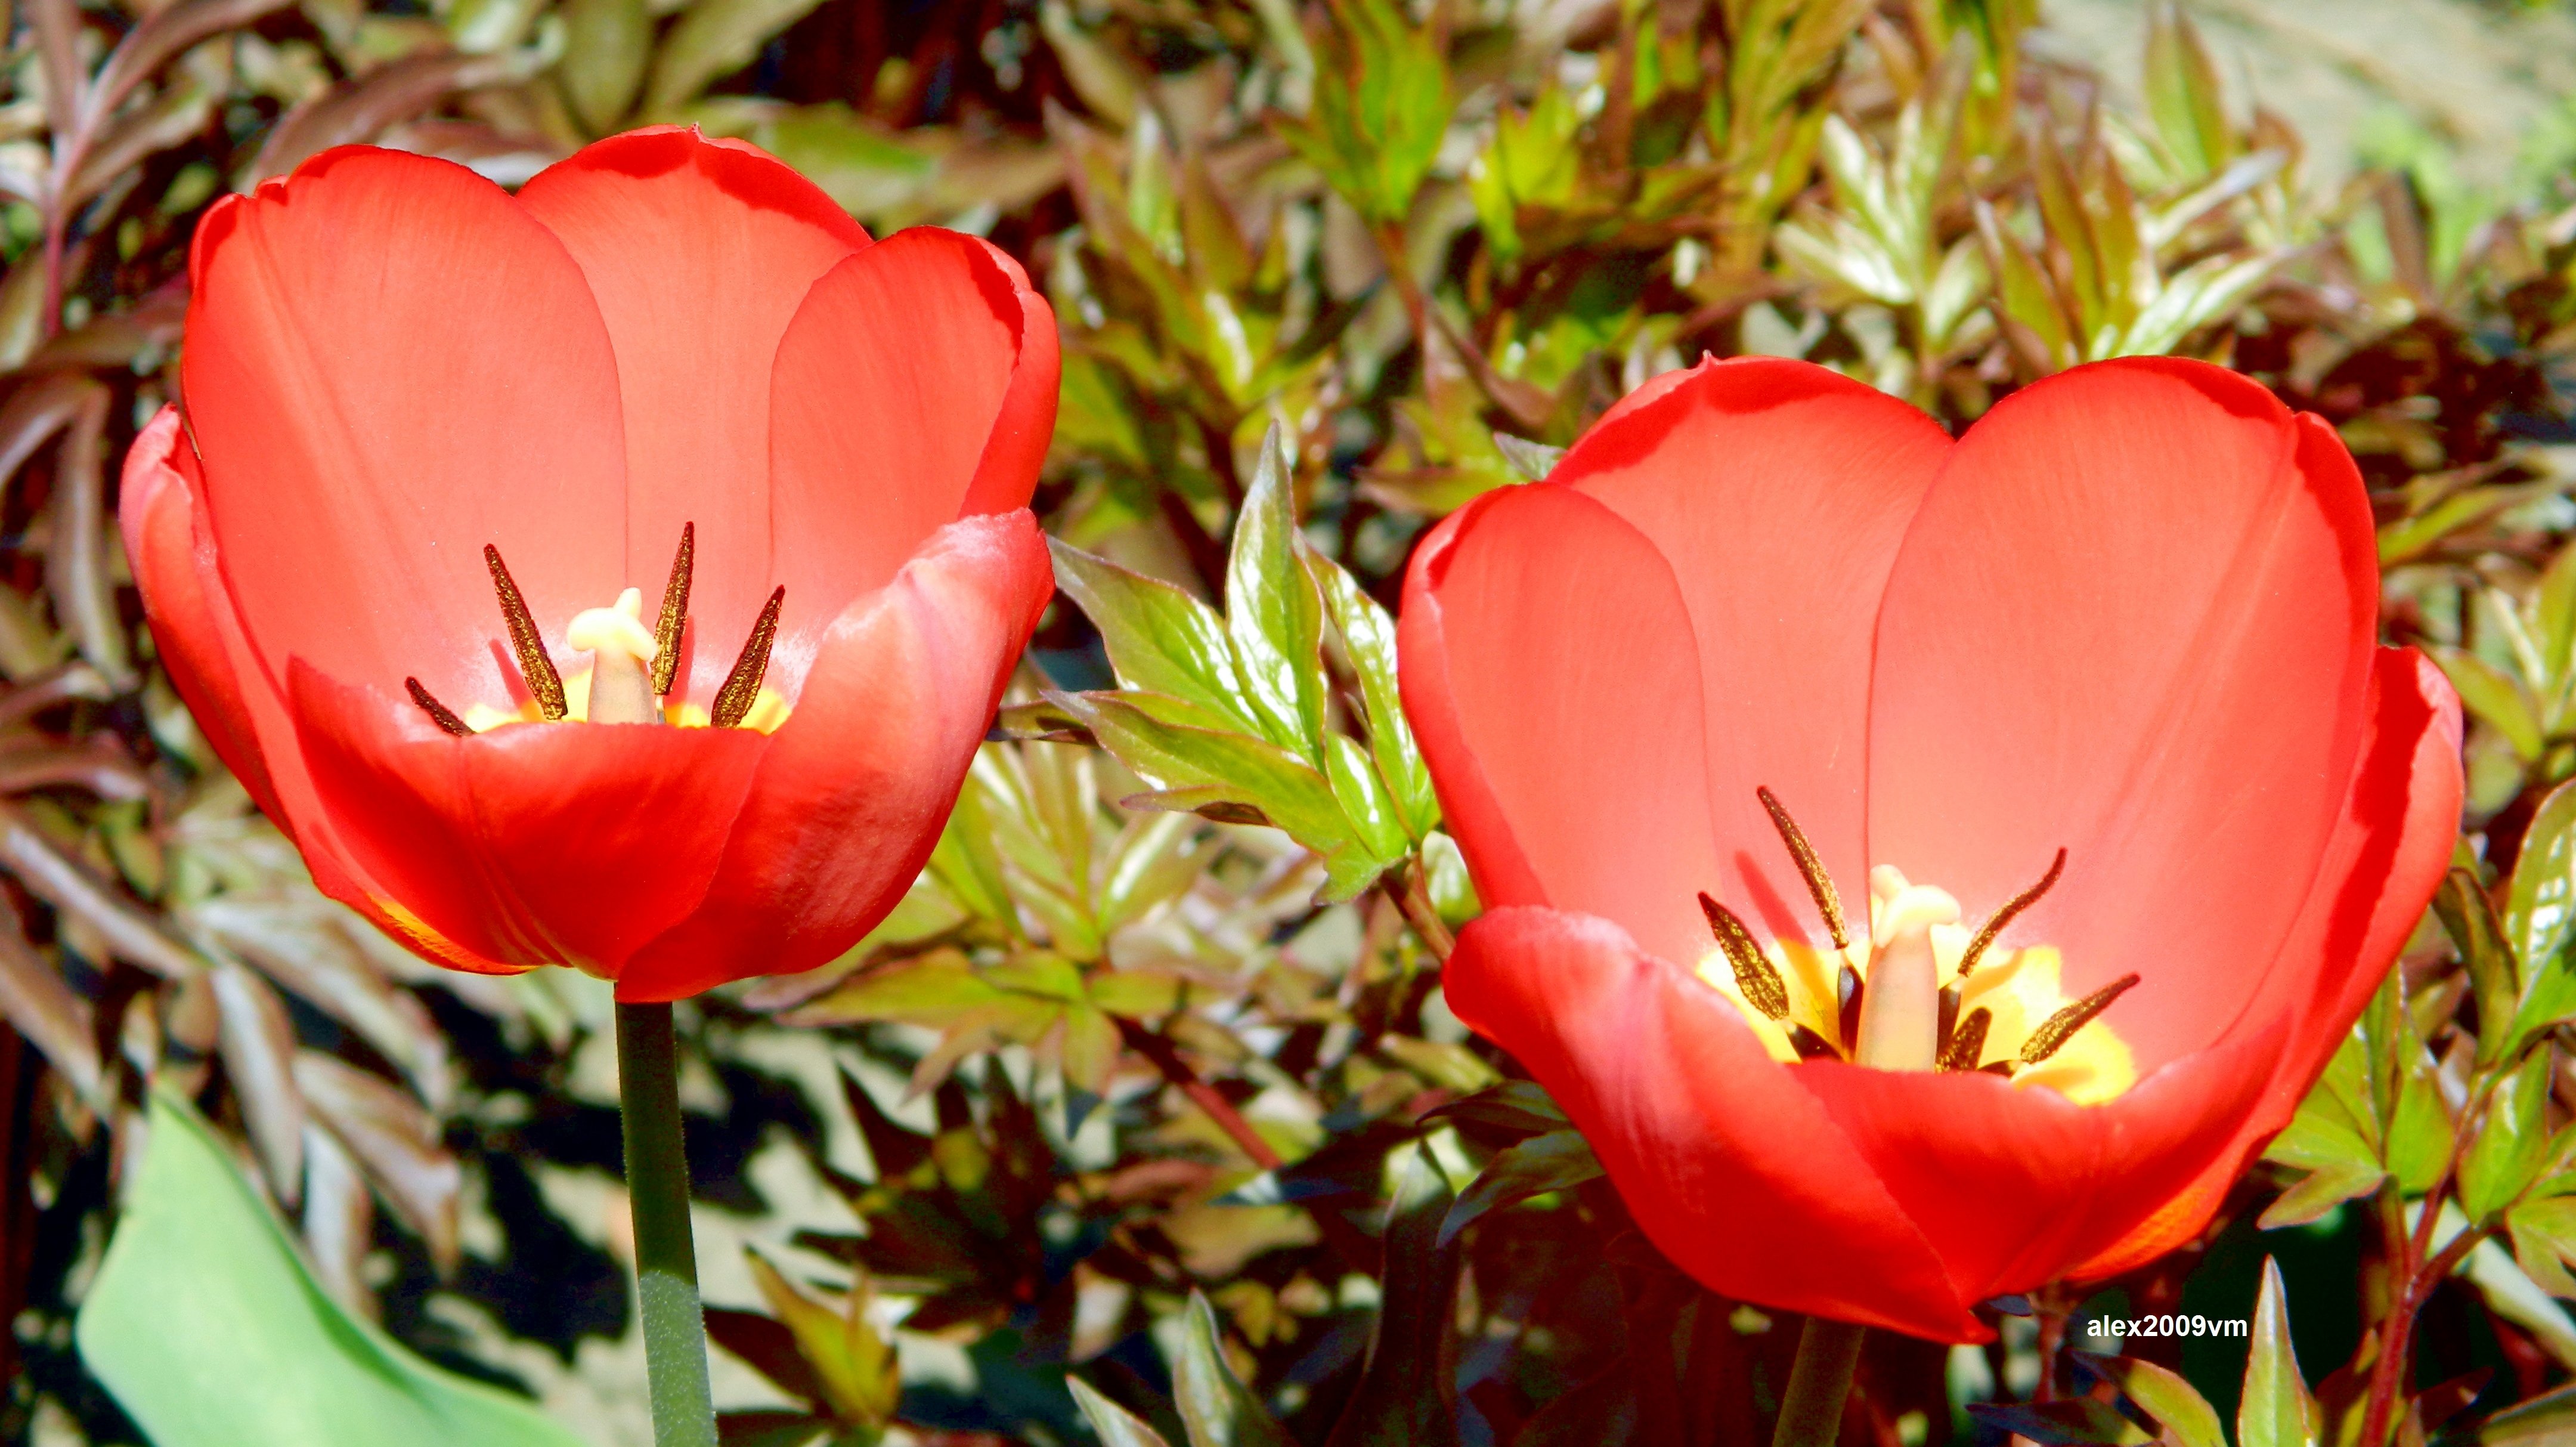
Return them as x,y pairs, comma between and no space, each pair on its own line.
1927,869
616,575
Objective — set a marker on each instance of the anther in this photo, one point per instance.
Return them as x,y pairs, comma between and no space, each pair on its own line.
1820,885
535,666
2061,1027
675,612
1847,1000
1756,979
2012,910
1967,1044
1810,1045
439,713
742,686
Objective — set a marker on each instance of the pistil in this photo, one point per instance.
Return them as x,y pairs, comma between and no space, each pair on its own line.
622,650
1899,1013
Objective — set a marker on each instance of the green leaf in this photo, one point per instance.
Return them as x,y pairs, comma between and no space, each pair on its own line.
2182,94
2062,1423
713,39
2177,1406
2496,696
1364,797
1116,1426
2320,1191
2421,1133
1381,107
2511,1142
1557,1161
853,1363
607,45
2276,1410
1159,638
1405,1392
2540,906
2543,1233
1368,640
2545,1420
1273,613
1216,1408
2469,917
206,1328
1224,768
2554,614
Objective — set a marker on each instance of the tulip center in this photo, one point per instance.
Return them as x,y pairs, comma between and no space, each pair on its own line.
1921,991
632,669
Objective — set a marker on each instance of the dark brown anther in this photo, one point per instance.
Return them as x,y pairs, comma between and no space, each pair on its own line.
1948,1019
2004,1068
2061,1027
439,713
742,686
1756,978
1963,1048
675,612
1810,1045
1847,992
1820,885
2012,910
536,666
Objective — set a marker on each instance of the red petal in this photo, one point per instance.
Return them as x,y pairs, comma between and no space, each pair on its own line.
2133,619
856,784
916,386
2014,1186
540,844
1730,1168
1778,493
698,253
2390,848
199,635
390,365
1550,674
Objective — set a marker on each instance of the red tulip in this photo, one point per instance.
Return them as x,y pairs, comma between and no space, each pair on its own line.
2128,616
393,366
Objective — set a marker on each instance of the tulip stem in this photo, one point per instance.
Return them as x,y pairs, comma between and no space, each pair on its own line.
666,1260
1811,1412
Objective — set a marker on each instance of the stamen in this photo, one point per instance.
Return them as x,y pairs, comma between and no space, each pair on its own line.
1967,1044
535,665
439,713
742,686
2012,910
675,612
1755,977
1810,1045
2061,1027
1820,885
1847,999
1949,1020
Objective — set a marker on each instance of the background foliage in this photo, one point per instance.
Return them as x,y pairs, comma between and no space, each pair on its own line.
1143,1115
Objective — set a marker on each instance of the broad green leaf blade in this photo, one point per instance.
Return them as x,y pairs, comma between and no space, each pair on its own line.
2546,1419
1216,1408
1158,638
205,1326
1556,1161
1115,1424
1368,637
2540,908
1273,613
2469,917
2511,1141
1404,1395
2276,1410
2164,1395
2320,1191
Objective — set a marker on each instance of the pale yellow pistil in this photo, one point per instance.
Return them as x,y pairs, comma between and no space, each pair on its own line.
1900,1014
622,651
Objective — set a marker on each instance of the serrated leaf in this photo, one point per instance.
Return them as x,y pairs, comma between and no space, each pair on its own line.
1116,1426
2511,1142
1274,614
2276,1410
1217,1409
1159,638
2172,1401
1557,1161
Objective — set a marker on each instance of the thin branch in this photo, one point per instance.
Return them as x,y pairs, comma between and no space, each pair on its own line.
1177,1071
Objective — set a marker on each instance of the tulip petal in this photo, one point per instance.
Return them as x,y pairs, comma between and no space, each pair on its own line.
856,785
2391,845
699,253
1732,1170
1778,493
2132,619
559,844
372,414
1549,671
916,385
199,635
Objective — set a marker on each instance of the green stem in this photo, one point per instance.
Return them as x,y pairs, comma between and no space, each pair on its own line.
666,1262
1811,1413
